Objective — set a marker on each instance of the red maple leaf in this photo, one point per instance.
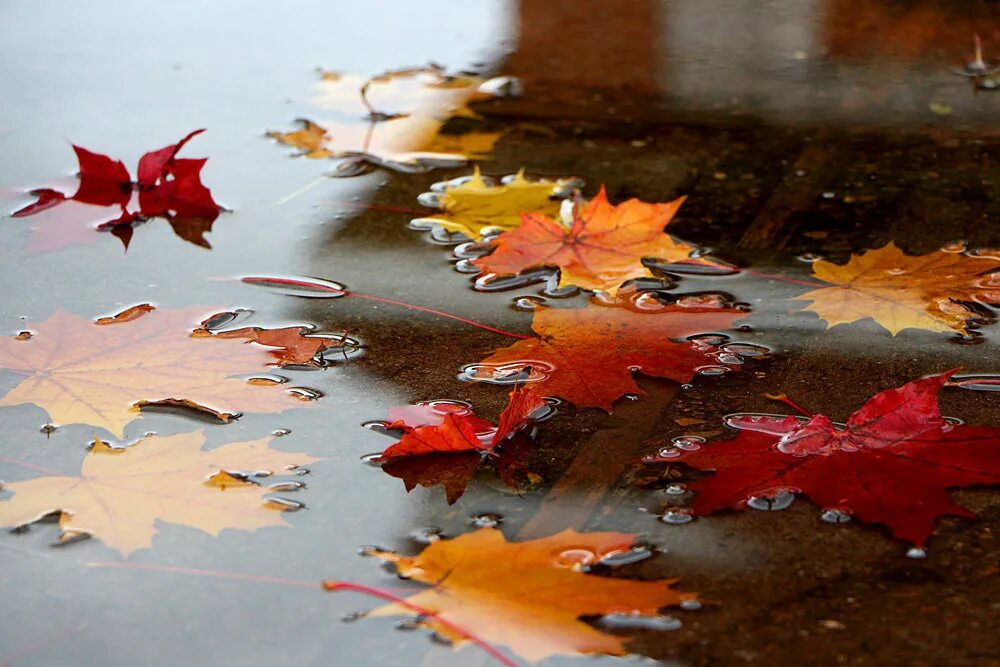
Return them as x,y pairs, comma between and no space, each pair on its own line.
587,355
448,448
167,187
891,463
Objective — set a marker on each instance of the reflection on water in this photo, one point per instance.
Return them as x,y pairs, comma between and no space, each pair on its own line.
797,129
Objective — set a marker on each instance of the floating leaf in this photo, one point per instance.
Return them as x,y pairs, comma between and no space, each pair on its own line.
81,372
121,493
529,596
900,291
602,248
891,463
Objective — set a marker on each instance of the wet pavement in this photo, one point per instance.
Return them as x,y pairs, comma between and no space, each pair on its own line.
794,132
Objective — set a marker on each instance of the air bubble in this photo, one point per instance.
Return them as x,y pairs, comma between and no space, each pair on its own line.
916,553
688,443
668,453
576,558
959,245
493,282
281,432
305,393
622,557
690,605
711,371
809,257
507,374
374,459
528,304
466,266
675,490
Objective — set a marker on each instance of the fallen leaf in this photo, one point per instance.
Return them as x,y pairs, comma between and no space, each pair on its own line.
167,187
298,345
528,596
447,448
394,120
587,355
476,205
84,373
602,248
457,432
900,291
121,493
891,463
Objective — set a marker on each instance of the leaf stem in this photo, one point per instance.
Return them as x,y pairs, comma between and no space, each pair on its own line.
783,398
334,585
328,585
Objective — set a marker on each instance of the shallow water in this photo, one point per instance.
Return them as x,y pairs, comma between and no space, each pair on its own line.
726,112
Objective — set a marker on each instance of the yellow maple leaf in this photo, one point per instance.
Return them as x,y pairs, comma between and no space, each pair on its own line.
82,372
900,291
528,595
475,205
121,493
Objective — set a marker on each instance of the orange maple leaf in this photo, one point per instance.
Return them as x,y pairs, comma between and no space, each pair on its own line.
528,596
121,493
603,248
587,355
900,291
83,372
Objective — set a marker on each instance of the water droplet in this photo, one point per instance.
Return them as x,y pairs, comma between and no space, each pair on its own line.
711,371
801,172
896,271
466,266
835,516
622,557
305,393
426,535
266,380
372,550
677,517
470,250
958,245
226,318
24,335
969,338
441,236
311,288
634,620
675,490
829,195
492,282
286,486
553,291
668,453
507,374
576,558
429,199
281,432
374,459
776,500
711,300
690,605
352,616
486,520
916,553
809,257
707,341
528,304
746,350
688,443
976,382
408,624
284,504
48,429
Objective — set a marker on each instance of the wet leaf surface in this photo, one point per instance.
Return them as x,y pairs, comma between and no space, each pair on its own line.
121,493
529,596
82,372
900,291
891,463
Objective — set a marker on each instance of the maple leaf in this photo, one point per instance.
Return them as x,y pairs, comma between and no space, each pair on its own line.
528,595
166,186
477,205
900,291
87,373
891,463
289,346
121,493
447,448
602,248
394,120
587,355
